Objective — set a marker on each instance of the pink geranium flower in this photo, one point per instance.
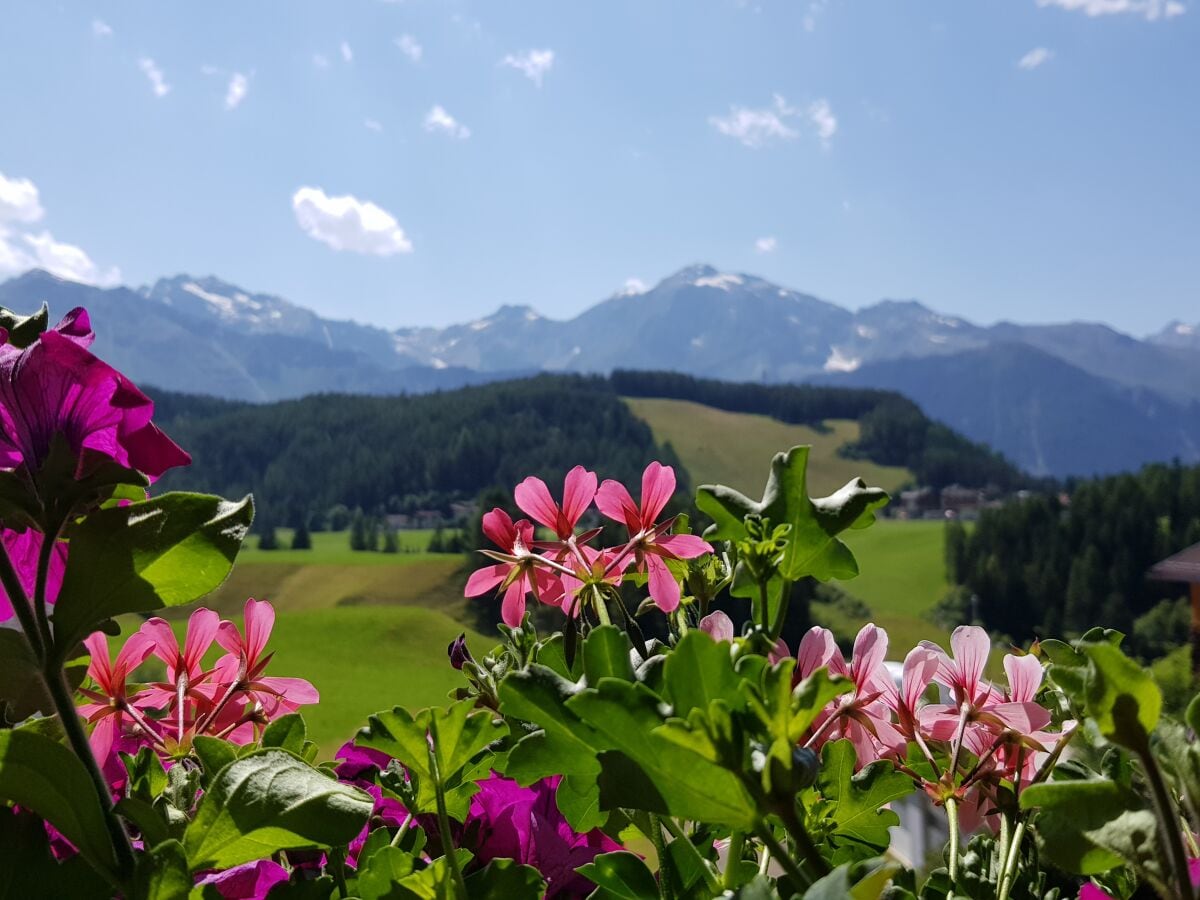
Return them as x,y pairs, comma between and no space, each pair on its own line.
109,711
533,497
864,716
55,386
23,549
247,661
516,572
649,540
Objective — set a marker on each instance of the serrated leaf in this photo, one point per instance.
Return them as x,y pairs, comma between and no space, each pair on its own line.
145,556
856,801
698,671
271,801
1122,697
813,547
379,878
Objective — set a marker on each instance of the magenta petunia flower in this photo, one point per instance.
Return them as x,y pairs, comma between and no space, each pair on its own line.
56,386
525,824
251,881
23,548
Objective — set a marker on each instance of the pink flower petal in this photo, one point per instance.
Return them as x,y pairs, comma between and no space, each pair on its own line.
718,626
683,546
486,579
533,497
498,526
579,489
1025,675
512,610
658,487
817,651
613,500
664,589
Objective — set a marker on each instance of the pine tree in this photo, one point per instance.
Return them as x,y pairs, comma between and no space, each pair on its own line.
358,532
301,539
391,542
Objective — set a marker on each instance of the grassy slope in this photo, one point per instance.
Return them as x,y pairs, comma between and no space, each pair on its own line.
902,567
718,447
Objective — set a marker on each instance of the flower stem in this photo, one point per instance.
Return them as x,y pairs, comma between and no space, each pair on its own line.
952,821
776,852
802,839
710,880
1008,874
20,604
665,891
448,849
39,588
737,841
1168,821
785,600
398,839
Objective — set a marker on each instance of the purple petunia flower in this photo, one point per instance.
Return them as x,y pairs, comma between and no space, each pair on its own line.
252,881
56,386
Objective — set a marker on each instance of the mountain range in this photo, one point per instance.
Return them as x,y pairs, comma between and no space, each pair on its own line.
1077,398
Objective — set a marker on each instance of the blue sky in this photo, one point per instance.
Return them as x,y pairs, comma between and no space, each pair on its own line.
1033,160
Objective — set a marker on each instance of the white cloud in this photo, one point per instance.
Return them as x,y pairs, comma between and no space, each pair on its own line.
101,29
533,64
320,60
633,287
236,92
1150,10
765,245
347,53
437,119
820,114
373,125
757,127
815,9
20,251
158,81
1034,58
347,223
409,47
19,200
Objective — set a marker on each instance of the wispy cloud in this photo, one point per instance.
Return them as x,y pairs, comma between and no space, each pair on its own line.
756,128
1150,10
347,223
766,245
820,114
21,250
410,47
236,92
440,121
1034,58
158,82
533,64
811,15
373,125
347,52
320,60
101,29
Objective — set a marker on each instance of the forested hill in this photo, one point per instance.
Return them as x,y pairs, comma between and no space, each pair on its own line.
406,453
894,431
1050,566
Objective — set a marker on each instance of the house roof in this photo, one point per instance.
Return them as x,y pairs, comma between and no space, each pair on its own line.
1183,566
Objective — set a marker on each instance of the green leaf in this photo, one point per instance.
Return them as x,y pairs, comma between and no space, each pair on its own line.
462,732
24,330
40,775
700,670
162,874
505,879
146,818
857,800
606,654
1192,716
21,687
619,876
628,716
860,881
288,733
813,546
270,801
214,755
1122,697
145,556
379,878
27,868
1093,825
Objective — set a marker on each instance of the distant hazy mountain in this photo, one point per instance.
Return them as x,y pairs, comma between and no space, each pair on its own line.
203,336
1075,398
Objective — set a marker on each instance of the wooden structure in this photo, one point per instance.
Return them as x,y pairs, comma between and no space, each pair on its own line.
1184,567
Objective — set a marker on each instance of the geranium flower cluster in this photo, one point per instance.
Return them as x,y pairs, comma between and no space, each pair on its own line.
974,737
566,571
232,699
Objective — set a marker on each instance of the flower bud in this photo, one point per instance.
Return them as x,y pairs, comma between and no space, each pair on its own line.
459,654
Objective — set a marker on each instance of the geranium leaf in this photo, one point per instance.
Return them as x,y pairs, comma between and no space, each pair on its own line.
462,732
698,671
1122,697
267,802
41,775
606,654
813,546
857,801
378,878
619,876
506,879
145,556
